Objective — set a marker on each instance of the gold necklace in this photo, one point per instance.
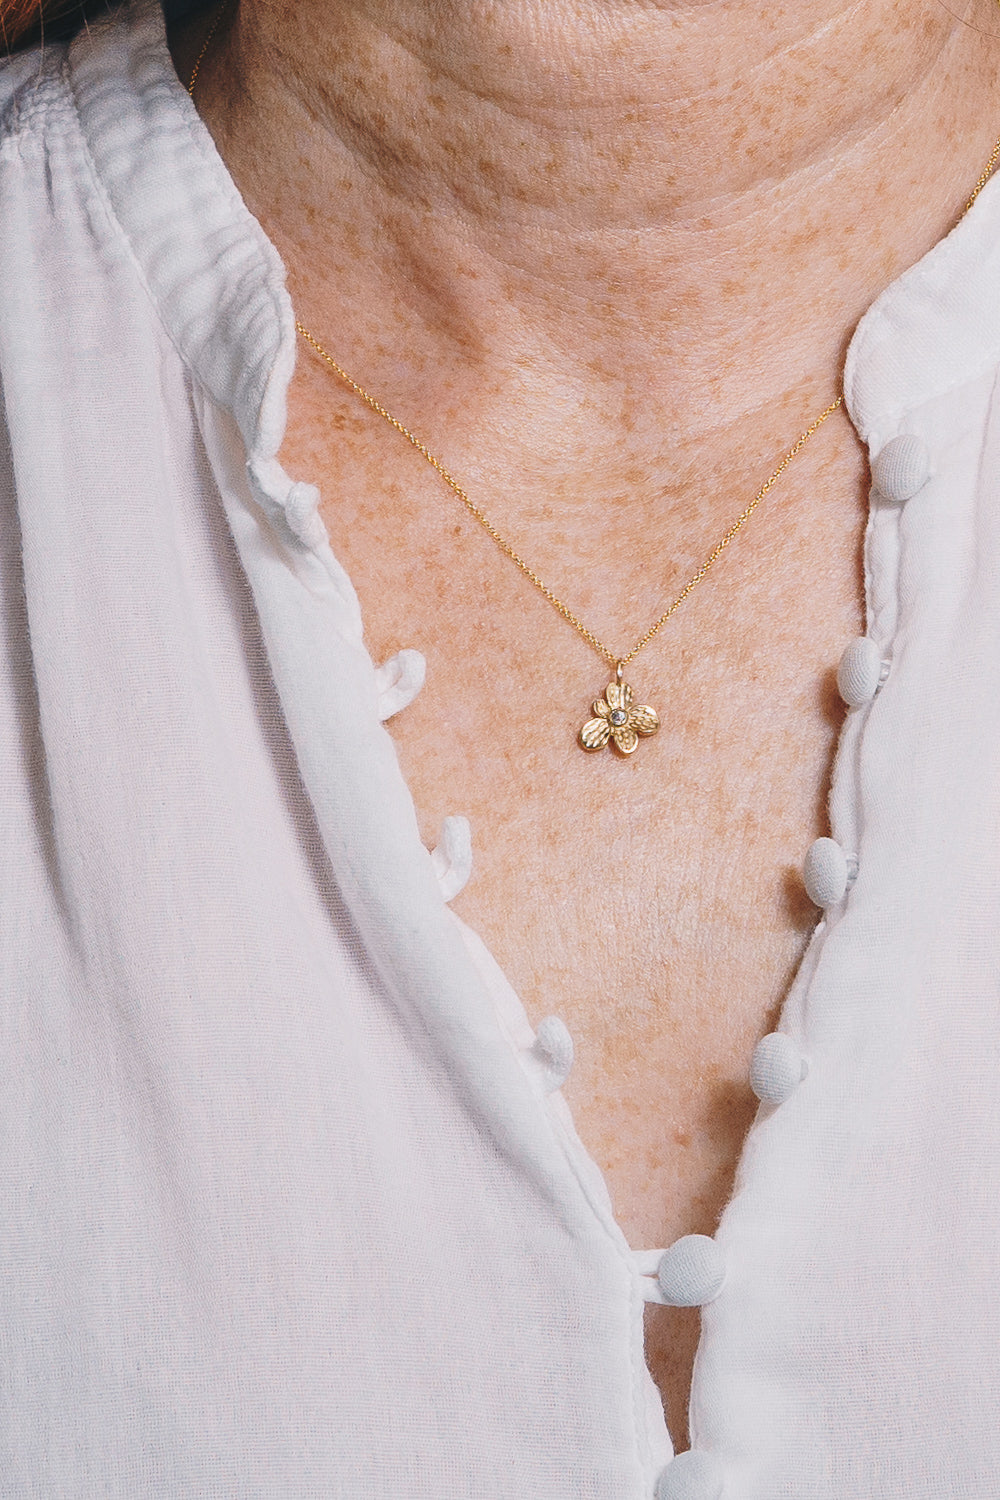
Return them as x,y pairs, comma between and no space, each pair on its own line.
617,719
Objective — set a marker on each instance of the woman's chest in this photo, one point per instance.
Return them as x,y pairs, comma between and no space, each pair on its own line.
654,901
655,904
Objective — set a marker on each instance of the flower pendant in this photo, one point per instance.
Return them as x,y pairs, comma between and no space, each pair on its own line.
617,720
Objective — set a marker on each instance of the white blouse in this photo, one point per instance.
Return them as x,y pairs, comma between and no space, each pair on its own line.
291,1203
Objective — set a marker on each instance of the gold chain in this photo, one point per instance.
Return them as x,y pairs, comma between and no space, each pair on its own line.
205,46
984,178
613,657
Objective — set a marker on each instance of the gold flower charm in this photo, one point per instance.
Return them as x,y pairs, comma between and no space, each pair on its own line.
617,721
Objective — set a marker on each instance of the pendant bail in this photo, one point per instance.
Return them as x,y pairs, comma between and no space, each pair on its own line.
619,671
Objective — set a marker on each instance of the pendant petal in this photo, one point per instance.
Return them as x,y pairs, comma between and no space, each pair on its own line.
618,694
625,740
595,734
600,708
643,719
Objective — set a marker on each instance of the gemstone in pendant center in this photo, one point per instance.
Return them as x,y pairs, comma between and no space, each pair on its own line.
618,717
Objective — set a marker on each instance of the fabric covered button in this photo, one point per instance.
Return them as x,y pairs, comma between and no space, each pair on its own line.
861,672
691,1272
777,1068
553,1049
398,681
827,872
452,857
694,1475
902,468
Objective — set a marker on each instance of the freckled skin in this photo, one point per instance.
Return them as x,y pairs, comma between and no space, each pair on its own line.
605,258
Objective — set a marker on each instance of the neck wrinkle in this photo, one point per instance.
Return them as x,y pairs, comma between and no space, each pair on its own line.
616,254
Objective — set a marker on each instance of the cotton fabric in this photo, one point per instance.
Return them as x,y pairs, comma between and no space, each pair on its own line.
291,1204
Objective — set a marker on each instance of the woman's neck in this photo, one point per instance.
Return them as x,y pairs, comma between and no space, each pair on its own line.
685,206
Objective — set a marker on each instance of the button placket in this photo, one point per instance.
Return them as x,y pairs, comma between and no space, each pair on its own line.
900,470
